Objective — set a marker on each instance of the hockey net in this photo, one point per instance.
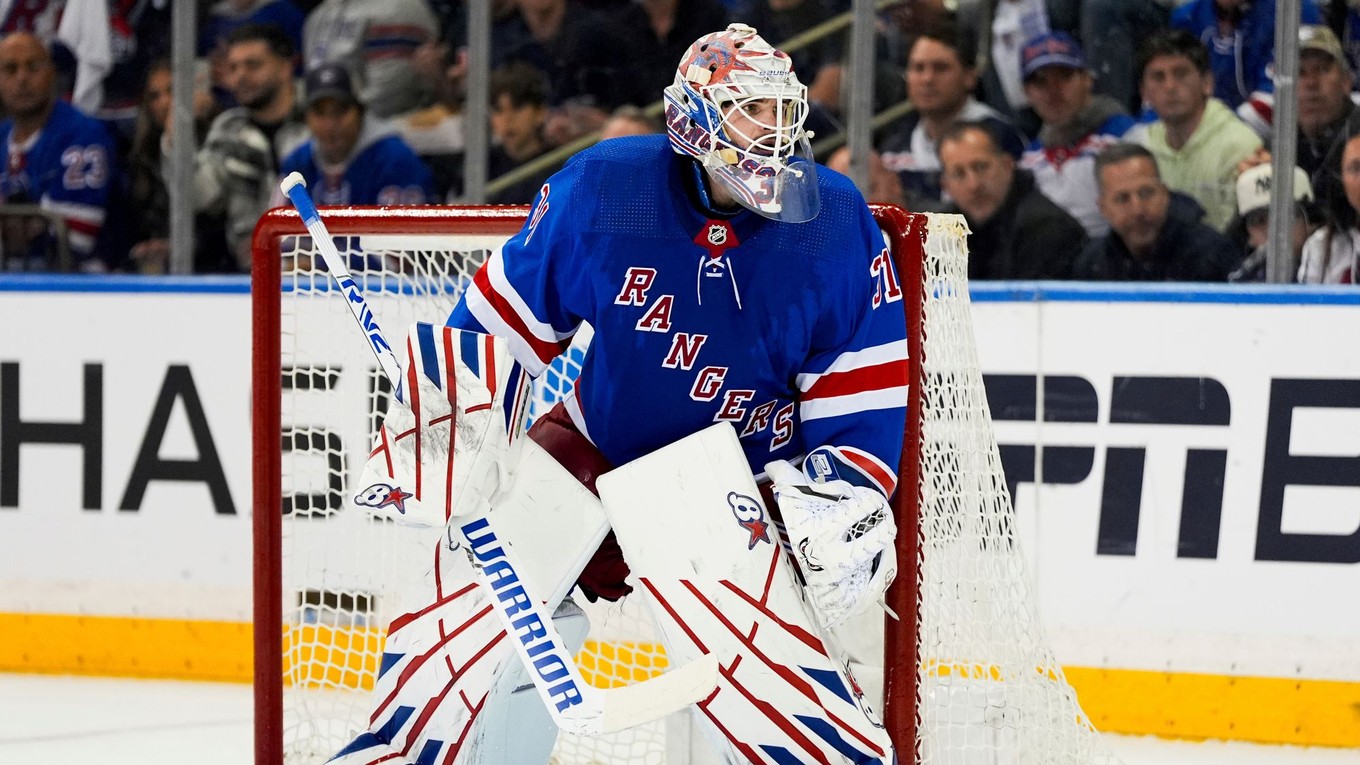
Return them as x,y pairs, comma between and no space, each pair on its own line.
968,676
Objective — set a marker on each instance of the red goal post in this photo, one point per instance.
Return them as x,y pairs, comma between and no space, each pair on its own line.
966,668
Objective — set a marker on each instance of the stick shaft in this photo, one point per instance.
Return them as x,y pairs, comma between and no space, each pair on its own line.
354,297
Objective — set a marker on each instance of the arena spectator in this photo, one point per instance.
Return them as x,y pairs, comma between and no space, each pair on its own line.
150,208
1111,31
236,169
1197,140
588,60
519,109
1332,254
1326,112
1016,231
436,133
225,16
1240,38
1155,235
885,187
1253,208
1013,23
139,36
79,37
662,30
940,80
630,120
376,41
353,158
1077,125
58,159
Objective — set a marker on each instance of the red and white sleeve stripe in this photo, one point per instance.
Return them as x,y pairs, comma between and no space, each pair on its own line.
884,477
493,300
857,381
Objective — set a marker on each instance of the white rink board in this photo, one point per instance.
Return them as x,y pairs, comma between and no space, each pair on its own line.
175,557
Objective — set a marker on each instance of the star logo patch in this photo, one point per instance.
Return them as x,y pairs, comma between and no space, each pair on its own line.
750,515
380,495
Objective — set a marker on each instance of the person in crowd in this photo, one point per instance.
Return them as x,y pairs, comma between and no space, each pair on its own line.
1155,235
225,16
236,169
940,78
1332,254
139,35
1326,112
353,158
885,187
1197,140
1108,30
1077,125
661,30
631,120
1240,38
1016,231
80,43
519,110
436,133
1327,116
1012,24
58,159
1252,222
589,61
150,208
1111,31
376,41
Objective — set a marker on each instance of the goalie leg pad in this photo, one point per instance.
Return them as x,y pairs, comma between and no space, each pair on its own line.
691,524
439,664
521,731
444,655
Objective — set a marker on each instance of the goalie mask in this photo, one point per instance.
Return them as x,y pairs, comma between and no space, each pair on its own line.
737,107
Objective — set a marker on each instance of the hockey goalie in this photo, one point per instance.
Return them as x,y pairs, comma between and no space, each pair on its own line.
730,445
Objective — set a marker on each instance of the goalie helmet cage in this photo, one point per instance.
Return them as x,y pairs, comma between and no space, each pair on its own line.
968,675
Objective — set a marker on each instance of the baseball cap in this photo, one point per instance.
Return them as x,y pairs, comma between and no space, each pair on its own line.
1321,39
1253,188
1050,49
330,81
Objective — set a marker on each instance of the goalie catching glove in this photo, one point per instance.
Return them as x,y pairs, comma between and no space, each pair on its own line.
842,536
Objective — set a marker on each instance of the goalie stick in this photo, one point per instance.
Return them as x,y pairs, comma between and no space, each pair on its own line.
575,706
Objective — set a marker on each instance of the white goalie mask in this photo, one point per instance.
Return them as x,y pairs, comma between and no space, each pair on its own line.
737,106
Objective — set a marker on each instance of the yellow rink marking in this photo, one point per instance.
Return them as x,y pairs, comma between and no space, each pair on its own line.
1296,711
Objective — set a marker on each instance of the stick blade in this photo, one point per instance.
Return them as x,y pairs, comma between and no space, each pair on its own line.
653,699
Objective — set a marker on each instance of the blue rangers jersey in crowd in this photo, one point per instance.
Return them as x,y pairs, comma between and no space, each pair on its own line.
381,170
68,168
794,333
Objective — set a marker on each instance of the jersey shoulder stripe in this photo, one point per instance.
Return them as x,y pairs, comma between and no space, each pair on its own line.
494,303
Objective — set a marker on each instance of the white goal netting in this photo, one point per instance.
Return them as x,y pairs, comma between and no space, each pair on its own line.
991,691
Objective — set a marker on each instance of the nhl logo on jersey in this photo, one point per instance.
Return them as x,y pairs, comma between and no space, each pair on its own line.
717,234
750,516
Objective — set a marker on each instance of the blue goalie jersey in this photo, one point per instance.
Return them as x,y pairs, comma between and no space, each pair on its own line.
794,333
